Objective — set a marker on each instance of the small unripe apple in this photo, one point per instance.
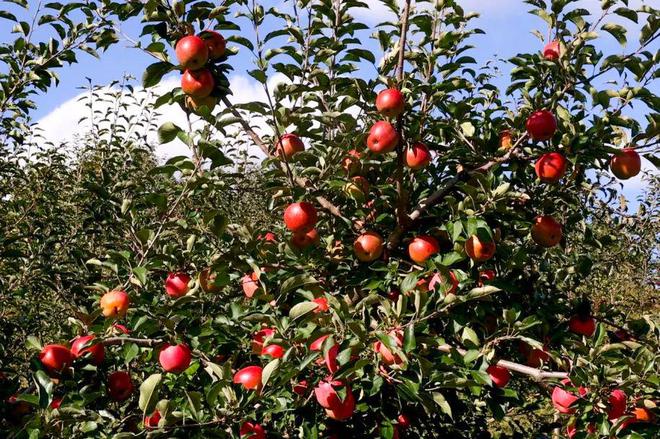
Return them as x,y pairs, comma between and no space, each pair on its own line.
626,164
273,350
152,420
195,104
289,144
215,43
499,375
191,52
582,326
351,163
176,284
95,351
550,167
249,377
368,246
197,83
55,357
390,102
479,250
115,303
300,217
301,240
563,400
251,430
541,125
551,51
418,156
250,284
421,248
175,359
382,138
120,385
546,231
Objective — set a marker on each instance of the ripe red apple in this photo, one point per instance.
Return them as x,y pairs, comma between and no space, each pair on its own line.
207,281
551,167
478,250
152,420
330,358
351,163
418,156
289,144
336,408
486,276
215,43
259,337
120,328
302,240
506,139
195,104
404,421
571,430
551,51
115,303
300,217
390,102
273,350
251,430
120,385
56,403
249,377
562,400
383,138
191,52
175,359
17,409
541,125
582,326
55,357
625,164
422,248
537,357
197,83
250,284
387,356
176,284
499,375
546,232
96,351
617,404
439,279
322,303
318,343
300,388
368,246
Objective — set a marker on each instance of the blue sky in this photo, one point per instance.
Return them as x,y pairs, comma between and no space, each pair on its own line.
507,24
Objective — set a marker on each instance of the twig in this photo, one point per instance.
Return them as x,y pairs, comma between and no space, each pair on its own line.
146,342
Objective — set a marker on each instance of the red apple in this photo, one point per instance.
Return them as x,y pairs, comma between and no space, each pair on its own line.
273,350
351,163
120,328
251,430
322,303
152,420
537,357
300,217
418,156
336,407
383,138
404,421
571,430
318,343
387,356
195,104
625,164
55,357
249,377
541,125
176,284
546,232
302,240
300,388
115,303
551,167
197,83
289,144
175,359
191,52
269,237
250,284
582,326
56,403
120,385
259,337
96,351
486,276
478,250
215,43
422,248
368,246
506,139
439,279
207,281
562,400
499,375
551,51
390,102
617,404
330,358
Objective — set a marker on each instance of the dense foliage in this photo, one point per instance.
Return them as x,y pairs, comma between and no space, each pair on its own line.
448,308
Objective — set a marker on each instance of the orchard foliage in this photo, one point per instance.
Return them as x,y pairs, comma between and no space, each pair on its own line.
381,294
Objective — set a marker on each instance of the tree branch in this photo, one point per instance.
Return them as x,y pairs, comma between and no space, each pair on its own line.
144,342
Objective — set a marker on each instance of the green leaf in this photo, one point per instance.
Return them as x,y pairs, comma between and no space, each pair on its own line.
33,342
302,308
409,342
469,337
296,282
155,72
268,371
168,132
617,31
442,402
149,392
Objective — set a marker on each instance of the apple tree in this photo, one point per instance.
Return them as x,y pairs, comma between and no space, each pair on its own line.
433,231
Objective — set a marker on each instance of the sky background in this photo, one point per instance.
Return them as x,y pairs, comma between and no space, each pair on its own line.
508,31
